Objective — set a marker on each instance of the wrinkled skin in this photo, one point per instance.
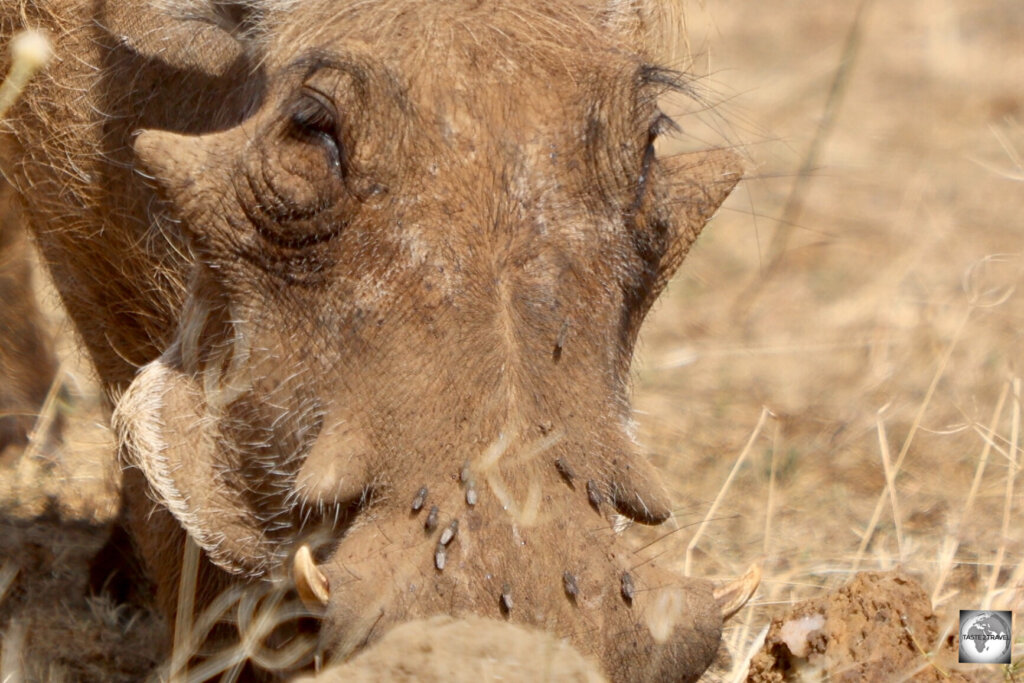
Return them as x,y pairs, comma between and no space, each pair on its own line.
411,245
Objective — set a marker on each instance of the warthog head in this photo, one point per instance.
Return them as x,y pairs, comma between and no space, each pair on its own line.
421,267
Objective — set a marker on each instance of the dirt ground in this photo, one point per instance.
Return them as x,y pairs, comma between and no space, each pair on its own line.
832,382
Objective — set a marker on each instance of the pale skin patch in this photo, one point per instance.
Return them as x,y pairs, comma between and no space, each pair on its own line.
664,612
531,506
527,513
494,452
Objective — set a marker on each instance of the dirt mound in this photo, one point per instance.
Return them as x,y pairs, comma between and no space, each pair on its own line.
879,627
51,628
465,650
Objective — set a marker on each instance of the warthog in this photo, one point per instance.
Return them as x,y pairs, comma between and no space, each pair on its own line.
377,267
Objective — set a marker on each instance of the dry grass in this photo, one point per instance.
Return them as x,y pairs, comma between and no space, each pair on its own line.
883,342
847,399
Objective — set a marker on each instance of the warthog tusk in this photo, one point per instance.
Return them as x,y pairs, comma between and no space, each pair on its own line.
310,582
732,596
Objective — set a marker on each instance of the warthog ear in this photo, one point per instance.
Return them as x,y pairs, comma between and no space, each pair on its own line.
183,167
687,192
191,35
174,160
690,189
163,428
696,184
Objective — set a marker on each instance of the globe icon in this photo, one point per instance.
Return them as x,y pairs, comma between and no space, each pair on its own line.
985,637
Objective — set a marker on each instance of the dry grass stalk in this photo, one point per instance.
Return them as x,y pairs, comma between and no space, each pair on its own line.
953,542
30,52
12,668
991,593
940,370
47,414
769,506
791,213
183,643
765,413
890,481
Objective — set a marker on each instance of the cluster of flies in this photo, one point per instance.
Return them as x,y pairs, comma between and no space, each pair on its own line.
570,583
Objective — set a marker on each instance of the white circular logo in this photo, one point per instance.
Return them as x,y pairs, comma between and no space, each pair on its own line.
984,637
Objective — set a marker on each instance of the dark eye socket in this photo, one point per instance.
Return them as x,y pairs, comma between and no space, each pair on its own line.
314,118
314,113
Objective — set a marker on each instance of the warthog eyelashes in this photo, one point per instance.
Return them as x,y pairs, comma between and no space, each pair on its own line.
314,118
662,125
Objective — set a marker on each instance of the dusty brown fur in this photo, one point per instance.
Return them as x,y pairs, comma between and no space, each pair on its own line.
348,279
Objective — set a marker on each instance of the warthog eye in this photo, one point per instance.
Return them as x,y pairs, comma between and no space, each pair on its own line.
314,119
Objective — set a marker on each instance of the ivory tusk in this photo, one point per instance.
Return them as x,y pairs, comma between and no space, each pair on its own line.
310,582
732,596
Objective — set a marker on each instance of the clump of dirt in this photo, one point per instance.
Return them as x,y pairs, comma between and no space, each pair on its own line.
878,627
465,650
52,629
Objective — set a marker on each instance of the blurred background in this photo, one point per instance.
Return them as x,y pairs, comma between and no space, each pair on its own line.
832,381
854,315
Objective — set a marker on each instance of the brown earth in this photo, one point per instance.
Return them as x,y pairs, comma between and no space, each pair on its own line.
871,629
464,651
52,629
786,371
